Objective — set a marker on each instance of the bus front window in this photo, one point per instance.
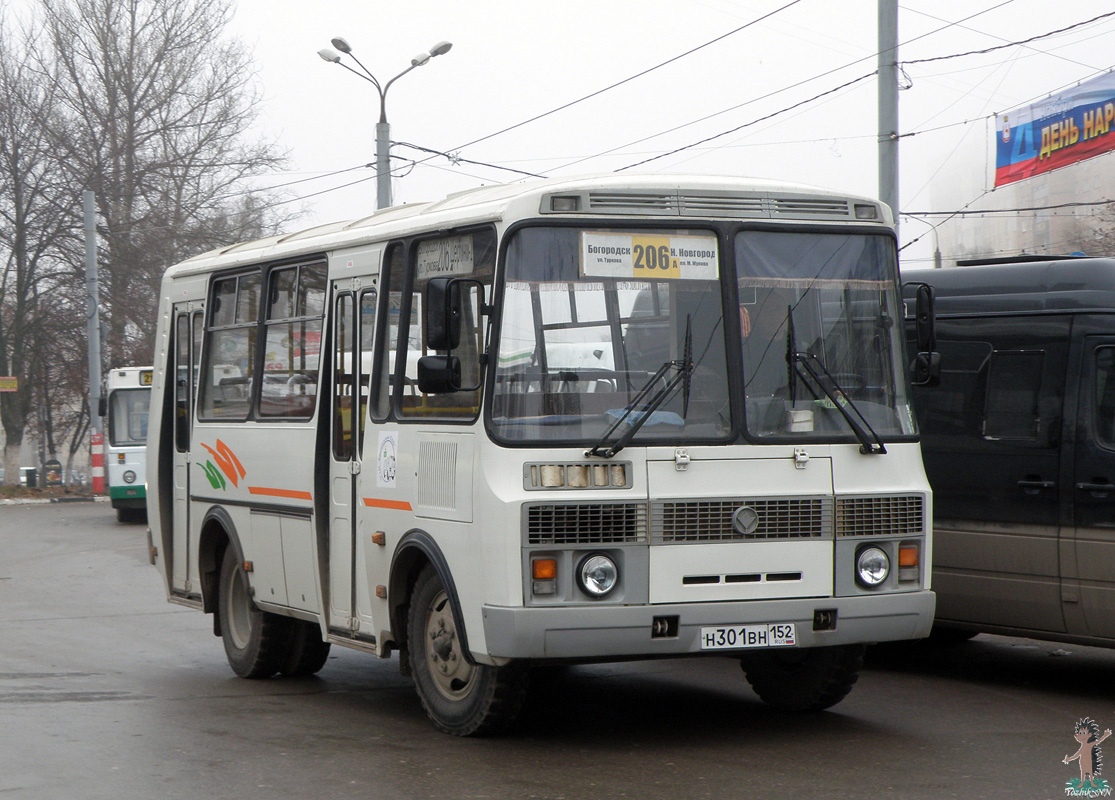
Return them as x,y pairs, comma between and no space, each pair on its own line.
589,318
822,334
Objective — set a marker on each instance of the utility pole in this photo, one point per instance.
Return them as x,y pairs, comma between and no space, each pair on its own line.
92,313
888,105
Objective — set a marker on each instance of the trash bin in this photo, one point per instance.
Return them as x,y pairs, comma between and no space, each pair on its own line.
32,477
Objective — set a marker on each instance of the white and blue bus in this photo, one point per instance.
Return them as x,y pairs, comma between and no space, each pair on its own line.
127,399
554,422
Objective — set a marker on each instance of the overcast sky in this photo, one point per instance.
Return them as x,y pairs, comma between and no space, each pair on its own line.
512,61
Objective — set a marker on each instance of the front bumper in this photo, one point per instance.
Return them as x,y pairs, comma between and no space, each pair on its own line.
602,632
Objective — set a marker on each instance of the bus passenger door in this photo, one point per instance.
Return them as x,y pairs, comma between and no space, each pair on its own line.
1094,486
187,353
353,329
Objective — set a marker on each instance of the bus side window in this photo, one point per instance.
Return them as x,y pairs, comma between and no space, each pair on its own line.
367,328
231,347
292,348
182,389
387,346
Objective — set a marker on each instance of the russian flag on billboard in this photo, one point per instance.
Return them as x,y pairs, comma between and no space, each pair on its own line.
1062,129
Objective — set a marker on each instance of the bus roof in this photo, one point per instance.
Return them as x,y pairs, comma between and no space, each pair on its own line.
1076,284
124,377
599,196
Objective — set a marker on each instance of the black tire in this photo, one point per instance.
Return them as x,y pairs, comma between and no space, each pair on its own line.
306,652
460,698
256,642
809,679
131,515
946,635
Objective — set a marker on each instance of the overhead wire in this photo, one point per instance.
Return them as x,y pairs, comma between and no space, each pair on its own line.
785,88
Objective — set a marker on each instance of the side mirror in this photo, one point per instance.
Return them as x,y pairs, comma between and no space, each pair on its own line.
443,313
926,369
925,318
439,374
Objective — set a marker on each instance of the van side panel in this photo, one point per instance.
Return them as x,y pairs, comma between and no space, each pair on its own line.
992,434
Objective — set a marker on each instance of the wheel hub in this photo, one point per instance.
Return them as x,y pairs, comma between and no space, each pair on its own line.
452,674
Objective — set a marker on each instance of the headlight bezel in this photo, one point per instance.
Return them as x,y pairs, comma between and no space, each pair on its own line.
591,563
872,566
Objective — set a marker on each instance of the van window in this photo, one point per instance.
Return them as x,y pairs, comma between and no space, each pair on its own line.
1013,388
1105,396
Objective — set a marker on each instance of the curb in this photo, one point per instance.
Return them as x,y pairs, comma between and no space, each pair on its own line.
42,501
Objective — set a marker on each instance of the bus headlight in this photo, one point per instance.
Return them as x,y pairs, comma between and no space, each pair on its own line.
872,566
129,476
598,575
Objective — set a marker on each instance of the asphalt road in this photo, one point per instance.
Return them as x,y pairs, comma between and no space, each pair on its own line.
107,691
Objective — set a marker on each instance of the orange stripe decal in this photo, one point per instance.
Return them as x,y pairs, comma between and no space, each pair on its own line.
293,494
399,505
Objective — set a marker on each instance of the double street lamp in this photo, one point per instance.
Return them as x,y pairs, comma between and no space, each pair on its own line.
383,128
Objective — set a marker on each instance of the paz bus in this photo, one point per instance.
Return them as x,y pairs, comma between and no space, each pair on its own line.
127,397
547,423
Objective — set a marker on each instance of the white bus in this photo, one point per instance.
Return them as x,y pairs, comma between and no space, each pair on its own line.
542,423
127,398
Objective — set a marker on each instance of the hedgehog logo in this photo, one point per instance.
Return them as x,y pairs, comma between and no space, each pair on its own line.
1090,758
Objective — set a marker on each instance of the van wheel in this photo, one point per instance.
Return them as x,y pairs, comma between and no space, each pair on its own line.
809,679
460,698
306,650
255,641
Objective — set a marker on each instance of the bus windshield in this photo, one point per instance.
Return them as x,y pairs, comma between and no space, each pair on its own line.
127,423
821,333
591,318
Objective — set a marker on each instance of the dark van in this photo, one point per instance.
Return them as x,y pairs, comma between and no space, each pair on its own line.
1019,446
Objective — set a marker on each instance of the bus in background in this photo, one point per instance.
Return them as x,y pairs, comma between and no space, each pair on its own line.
127,398
548,423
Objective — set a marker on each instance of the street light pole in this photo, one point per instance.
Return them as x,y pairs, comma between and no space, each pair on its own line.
383,127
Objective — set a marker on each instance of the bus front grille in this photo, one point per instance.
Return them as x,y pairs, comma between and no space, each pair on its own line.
899,515
586,523
728,520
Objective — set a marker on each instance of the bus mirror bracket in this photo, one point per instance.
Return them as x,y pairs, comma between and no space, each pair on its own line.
926,369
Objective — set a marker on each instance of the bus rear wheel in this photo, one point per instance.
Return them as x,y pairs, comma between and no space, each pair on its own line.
809,679
460,698
255,641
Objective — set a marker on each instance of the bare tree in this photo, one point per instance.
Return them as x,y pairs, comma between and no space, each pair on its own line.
157,110
37,224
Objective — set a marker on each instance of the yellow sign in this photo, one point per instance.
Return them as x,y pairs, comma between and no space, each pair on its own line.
652,258
9,383
649,256
145,378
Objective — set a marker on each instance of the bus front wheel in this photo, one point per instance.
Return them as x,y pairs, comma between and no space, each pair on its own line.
809,679
460,698
254,640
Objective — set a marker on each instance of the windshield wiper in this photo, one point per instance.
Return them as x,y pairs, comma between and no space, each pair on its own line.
684,366
808,365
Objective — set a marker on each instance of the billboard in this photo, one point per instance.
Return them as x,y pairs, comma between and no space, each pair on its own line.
1062,129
